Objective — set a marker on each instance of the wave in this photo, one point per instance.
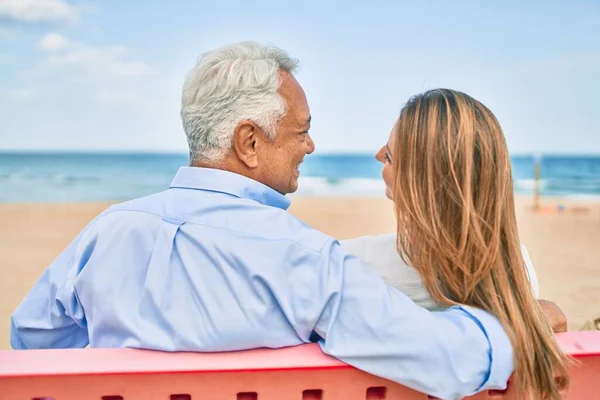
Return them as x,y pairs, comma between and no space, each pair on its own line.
319,186
24,177
560,186
529,184
582,197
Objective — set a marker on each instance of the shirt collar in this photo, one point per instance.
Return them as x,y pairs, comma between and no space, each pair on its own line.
216,180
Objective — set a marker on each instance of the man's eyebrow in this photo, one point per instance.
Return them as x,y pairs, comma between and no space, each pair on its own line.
307,123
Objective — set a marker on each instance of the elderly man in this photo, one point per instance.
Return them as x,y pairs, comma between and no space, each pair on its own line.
216,262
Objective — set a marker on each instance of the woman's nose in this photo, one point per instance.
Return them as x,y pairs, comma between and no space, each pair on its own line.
379,156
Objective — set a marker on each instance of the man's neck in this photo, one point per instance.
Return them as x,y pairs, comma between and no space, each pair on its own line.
226,165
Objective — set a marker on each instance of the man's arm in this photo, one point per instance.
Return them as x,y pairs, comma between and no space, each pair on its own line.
376,328
50,315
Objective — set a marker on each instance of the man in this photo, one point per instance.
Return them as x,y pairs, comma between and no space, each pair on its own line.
215,262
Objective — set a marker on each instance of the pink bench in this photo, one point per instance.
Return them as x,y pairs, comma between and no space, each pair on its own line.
299,373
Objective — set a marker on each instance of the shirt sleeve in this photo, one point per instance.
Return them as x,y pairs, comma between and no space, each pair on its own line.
50,316
448,354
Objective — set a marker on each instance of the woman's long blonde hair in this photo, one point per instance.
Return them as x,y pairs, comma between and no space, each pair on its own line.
456,225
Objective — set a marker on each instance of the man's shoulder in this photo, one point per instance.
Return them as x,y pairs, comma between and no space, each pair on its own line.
302,233
150,204
237,216
128,215
255,220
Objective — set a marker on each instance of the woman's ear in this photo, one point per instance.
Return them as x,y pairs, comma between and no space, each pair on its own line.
245,142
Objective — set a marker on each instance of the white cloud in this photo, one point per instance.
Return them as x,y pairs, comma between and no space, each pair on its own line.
36,11
86,62
104,74
53,42
21,94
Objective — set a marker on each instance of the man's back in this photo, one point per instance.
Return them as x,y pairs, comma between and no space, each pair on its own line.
196,270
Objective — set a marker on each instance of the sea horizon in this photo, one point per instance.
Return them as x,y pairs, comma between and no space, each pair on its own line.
317,153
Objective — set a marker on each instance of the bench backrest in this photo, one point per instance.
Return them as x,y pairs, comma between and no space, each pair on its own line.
298,373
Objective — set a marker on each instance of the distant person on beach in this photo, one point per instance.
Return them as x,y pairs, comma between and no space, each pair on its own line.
216,263
446,167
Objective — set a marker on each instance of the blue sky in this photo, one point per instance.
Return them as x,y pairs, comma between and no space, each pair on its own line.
107,75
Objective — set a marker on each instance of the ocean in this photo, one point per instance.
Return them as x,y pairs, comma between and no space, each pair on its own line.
73,177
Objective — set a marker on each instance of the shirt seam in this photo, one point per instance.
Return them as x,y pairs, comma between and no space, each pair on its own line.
228,230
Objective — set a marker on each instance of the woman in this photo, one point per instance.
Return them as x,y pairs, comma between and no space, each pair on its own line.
447,169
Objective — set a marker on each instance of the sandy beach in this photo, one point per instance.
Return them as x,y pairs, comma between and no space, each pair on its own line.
565,247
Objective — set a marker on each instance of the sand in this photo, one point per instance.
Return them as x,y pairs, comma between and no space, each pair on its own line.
565,248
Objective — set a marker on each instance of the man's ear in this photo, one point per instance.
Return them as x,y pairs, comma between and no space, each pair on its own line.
245,139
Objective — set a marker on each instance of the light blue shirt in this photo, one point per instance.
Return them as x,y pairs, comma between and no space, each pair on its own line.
216,263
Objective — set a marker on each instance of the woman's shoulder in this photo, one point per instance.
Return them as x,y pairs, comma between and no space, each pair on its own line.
370,244
380,253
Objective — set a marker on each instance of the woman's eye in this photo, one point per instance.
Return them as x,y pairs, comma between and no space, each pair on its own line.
387,157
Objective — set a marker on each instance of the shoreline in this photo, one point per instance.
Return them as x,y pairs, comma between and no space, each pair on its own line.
551,199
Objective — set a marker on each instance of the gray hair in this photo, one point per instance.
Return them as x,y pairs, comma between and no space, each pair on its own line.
228,85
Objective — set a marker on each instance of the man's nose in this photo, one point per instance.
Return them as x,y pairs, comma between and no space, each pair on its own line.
310,145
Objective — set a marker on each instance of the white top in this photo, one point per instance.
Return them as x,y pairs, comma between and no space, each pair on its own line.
380,253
